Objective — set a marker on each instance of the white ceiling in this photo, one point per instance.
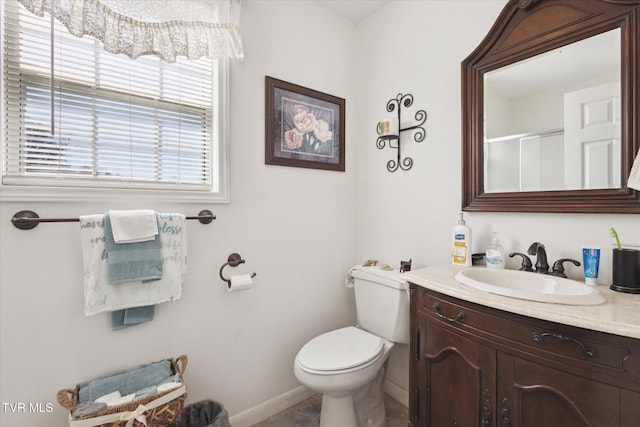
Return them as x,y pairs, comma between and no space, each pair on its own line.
354,10
537,77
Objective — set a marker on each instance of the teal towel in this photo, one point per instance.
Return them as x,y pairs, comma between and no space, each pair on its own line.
130,262
122,319
126,382
147,391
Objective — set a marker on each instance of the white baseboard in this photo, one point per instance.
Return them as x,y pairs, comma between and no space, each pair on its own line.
396,392
271,407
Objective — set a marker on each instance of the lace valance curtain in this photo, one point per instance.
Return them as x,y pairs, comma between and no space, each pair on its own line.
166,28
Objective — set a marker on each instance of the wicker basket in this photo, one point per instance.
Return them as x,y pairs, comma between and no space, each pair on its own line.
157,410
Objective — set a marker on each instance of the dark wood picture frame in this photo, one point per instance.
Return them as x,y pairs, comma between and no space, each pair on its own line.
303,127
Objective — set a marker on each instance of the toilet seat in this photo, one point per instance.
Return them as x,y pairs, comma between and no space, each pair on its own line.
339,350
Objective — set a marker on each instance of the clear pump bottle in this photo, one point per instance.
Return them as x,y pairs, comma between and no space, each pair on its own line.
495,253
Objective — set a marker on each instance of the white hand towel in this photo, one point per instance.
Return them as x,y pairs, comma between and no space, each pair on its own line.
124,399
133,226
113,399
109,398
101,296
168,386
634,176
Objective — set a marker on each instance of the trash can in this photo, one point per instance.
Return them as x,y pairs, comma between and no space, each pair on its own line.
207,413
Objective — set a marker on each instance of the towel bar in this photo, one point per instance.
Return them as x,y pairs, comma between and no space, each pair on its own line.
26,220
233,260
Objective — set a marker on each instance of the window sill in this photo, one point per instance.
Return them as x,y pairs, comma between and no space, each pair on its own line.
74,195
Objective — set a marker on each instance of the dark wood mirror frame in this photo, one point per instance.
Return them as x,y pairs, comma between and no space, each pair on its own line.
526,28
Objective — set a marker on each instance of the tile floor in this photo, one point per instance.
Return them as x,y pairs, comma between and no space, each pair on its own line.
307,414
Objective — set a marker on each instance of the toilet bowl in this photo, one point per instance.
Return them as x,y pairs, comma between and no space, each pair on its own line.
347,365
341,364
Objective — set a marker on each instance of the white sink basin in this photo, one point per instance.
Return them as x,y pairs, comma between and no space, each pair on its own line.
530,286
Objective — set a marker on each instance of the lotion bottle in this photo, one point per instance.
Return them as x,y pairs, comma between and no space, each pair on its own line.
461,245
495,253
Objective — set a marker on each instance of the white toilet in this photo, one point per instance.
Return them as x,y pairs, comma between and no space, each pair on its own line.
348,365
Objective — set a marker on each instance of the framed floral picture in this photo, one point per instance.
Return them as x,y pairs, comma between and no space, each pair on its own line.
304,127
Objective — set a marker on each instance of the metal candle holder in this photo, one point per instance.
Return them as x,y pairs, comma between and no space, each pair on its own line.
396,104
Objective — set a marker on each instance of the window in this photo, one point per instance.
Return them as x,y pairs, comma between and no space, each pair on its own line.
105,121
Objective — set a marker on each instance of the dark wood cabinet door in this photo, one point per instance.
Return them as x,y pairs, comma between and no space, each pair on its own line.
534,395
459,370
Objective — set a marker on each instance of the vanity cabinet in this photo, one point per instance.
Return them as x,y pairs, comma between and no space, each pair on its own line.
473,365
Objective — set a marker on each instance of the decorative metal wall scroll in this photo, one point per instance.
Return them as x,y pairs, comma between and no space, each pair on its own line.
385,135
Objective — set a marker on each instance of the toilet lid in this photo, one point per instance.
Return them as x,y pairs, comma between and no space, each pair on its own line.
340,349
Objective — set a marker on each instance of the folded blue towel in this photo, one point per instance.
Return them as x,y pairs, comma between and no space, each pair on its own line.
122,319
130,262
148,391
126,382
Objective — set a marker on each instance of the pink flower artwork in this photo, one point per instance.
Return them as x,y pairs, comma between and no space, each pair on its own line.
304,121
293,139
304,131
304,127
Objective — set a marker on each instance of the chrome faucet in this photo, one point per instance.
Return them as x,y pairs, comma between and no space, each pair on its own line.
537,248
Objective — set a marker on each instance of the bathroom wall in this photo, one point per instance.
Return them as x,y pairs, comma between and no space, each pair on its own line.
295,227
416,47
299,229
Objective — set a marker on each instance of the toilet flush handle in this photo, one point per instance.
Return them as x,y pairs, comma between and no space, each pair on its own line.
348,281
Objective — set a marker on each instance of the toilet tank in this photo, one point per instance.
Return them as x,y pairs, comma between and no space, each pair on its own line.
382,302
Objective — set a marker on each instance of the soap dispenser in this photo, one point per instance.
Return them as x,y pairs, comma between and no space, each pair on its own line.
461,250
495,253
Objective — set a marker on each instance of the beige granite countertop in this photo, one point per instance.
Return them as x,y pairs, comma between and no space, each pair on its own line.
620,315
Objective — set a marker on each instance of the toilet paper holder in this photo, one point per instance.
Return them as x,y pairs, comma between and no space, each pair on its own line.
233,260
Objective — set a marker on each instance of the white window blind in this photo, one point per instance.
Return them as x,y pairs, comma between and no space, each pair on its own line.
116,122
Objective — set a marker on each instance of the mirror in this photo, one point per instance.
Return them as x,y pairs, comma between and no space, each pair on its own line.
534,138
550,109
